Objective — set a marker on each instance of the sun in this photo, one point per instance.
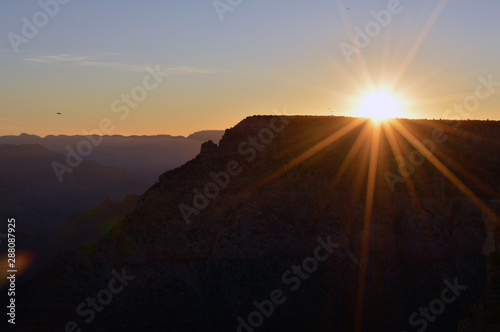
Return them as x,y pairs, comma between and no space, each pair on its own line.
379,105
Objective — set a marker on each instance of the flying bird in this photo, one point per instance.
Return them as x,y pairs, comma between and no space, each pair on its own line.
58,113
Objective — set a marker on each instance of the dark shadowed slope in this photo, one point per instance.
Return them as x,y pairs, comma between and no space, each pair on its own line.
31,192
30,185
88,226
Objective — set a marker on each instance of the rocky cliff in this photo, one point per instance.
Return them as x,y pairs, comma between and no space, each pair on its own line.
248,220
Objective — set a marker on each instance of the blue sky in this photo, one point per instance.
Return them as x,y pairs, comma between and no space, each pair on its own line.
264,55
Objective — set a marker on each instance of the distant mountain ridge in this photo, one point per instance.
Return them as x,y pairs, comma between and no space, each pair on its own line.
148,156
24,138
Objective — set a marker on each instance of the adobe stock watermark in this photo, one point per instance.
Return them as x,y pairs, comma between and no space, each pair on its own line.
406,166
249,148
122,106
223,6
292,277
423,317
87,309
363,37
31,28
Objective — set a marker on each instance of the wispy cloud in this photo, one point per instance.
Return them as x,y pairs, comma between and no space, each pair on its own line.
95,60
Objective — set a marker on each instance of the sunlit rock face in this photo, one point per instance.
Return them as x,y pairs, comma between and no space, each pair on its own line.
239,221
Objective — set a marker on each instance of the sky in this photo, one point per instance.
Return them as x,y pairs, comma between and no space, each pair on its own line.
216,62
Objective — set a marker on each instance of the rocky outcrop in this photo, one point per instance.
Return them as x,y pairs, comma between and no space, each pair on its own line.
207,135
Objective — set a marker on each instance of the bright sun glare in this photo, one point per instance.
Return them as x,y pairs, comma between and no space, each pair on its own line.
379,105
